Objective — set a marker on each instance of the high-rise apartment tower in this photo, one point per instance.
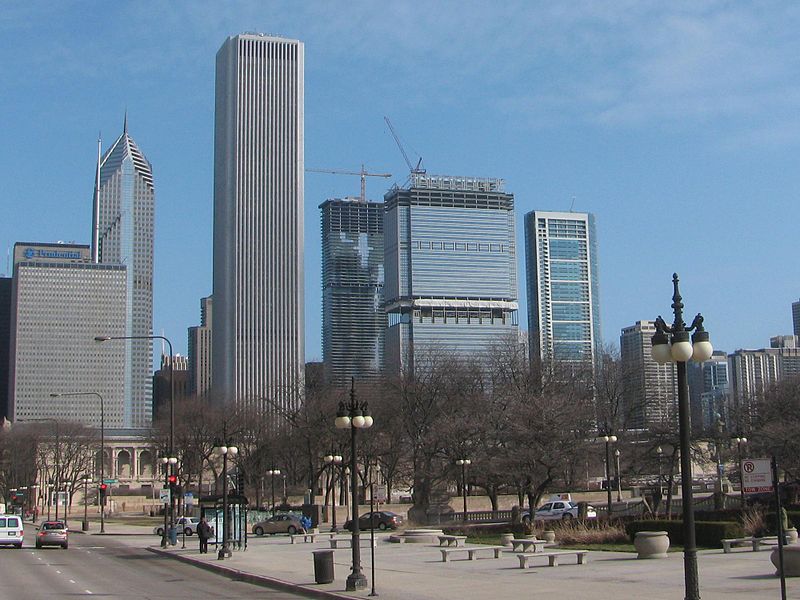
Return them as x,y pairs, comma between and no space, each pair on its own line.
562,279
123,235
200,342
258,349
451,276
353,319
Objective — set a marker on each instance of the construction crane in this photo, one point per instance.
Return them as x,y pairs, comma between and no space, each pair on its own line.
362,173
419,168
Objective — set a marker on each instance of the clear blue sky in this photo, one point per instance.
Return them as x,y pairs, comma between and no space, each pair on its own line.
676,123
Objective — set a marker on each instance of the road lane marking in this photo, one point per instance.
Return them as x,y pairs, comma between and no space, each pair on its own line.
72,581
57,571
88,592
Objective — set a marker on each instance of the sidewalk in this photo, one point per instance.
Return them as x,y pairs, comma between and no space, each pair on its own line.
416,572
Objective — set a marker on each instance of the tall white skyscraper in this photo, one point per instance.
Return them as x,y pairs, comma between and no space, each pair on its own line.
258,349
123,235
562,278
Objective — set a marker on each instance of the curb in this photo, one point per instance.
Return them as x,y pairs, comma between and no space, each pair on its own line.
261,580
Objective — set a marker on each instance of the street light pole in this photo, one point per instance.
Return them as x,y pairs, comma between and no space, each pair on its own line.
356,416
680,350
106,338
101,497
619,482
273,473
740,441
224,449
463,462
333,460
608,439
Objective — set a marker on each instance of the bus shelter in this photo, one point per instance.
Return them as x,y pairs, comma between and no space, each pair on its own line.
211,507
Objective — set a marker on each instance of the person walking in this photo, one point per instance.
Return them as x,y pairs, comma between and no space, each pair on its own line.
203,533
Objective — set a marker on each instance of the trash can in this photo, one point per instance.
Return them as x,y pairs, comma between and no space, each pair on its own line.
323,566
173,535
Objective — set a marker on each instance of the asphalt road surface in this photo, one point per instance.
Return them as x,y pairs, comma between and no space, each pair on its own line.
99,566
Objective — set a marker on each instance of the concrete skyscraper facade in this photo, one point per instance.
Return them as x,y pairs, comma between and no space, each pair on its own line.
60,300
200,341
258,350
353,318
450,268
562,282
123,234
650,389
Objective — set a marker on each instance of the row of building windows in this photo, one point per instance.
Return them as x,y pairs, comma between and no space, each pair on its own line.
459,246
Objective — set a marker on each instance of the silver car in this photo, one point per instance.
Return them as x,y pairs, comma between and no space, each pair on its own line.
279,524
52,533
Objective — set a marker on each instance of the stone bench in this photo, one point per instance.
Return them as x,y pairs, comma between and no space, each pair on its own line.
311,536
552,557
526,545
754,542
452,540
472,551
348,542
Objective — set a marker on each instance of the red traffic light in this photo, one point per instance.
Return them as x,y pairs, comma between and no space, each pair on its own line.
173,479
103,487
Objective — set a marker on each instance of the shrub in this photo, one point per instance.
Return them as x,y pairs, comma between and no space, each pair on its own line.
707,533
576,532
754,522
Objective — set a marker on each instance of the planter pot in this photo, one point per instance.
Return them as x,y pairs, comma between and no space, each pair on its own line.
791,535
505,539
548,535
651,544
791,561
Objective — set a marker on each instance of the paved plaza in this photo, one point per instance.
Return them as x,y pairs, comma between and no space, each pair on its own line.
416,572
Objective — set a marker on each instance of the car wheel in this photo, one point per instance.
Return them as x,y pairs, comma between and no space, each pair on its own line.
567,517
65,546
187,531
259,531
292,530
382,526
19,546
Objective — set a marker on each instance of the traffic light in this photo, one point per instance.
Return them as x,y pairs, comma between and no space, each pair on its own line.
172,479
103,488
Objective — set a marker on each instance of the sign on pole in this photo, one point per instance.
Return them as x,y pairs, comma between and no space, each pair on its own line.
164,495
380,493
756,475
188,499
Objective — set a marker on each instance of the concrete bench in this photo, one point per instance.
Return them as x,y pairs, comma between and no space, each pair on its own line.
451,540
526,545
311,536
472,551
348,542
552,557
754,542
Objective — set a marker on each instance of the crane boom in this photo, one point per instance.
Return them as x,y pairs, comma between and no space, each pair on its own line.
418,168
362,173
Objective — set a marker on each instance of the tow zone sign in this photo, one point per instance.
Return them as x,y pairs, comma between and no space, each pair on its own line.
756,475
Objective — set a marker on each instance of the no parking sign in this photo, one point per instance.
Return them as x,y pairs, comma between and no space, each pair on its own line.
756,475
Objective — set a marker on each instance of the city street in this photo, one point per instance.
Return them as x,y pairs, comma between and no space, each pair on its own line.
111,568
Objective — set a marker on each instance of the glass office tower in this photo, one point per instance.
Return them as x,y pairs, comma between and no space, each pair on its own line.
562,281
353,319
451,277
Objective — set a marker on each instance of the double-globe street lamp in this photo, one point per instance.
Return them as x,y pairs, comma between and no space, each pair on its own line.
171,452
671,343
333,460
356,416
608,439
101,495
740,441
273,473
224,449
464,463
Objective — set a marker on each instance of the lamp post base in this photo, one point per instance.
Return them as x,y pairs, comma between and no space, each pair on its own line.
356,581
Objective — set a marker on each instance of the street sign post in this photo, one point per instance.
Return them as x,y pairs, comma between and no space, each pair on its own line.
380,493
188,499
756,475
164,496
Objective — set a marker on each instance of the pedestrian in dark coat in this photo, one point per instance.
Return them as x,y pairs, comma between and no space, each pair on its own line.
203,533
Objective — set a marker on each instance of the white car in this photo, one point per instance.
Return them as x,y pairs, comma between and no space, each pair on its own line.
187,525
558,510
11,532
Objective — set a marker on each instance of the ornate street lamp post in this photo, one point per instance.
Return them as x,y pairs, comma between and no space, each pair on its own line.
86,480
333,460
273,473
224,449
740,441
355,416
463,463
619,479
608,439
671,344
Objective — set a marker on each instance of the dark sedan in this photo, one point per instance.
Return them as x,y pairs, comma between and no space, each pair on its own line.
380,519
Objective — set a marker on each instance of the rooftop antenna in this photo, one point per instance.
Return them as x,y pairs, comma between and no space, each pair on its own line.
96,201
572,204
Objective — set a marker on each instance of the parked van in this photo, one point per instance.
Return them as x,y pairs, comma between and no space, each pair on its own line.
11,532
